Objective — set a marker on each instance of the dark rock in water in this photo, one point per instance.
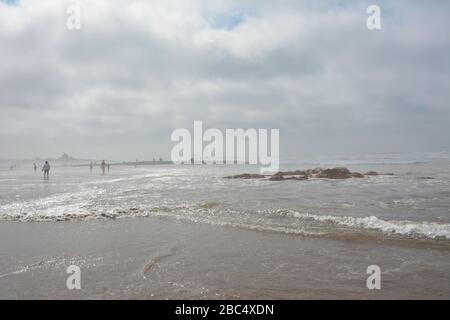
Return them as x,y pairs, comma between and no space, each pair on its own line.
246,176
280,177
426,178
298,178
314,171
291,173
388,174
279,174
357,175
335,173
276,177
301,175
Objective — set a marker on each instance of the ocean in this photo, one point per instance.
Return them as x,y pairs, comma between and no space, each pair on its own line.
400,221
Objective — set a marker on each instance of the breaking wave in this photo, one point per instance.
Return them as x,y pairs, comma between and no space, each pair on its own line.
278,220
431,230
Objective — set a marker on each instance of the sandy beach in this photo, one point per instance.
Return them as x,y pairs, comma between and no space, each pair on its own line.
159,258
187,232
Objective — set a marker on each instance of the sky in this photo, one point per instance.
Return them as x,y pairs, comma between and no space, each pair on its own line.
136,70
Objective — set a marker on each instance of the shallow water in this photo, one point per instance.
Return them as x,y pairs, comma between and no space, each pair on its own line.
402,205
160,258
158,232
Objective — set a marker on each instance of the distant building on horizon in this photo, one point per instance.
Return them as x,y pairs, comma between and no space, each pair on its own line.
66,157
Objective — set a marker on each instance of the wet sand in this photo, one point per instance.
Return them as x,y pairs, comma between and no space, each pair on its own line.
162,258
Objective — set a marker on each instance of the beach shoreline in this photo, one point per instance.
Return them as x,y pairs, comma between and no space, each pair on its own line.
162,258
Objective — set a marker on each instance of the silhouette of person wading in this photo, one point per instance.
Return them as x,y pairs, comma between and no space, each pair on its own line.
46,169
103,165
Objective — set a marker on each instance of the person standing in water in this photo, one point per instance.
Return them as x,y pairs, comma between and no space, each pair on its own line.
34,167
103,165
91,166
108,166
46,170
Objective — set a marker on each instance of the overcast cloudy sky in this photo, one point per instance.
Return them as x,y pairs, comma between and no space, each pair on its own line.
137,70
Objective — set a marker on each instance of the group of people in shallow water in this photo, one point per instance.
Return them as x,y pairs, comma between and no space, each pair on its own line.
46,168
103,165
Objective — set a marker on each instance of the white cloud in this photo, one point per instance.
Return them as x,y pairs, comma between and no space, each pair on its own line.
139,69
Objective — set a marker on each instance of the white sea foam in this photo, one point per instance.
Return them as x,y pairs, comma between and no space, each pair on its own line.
431,230
59,205
57,208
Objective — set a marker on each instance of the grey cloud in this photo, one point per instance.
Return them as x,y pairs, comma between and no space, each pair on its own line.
122,83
